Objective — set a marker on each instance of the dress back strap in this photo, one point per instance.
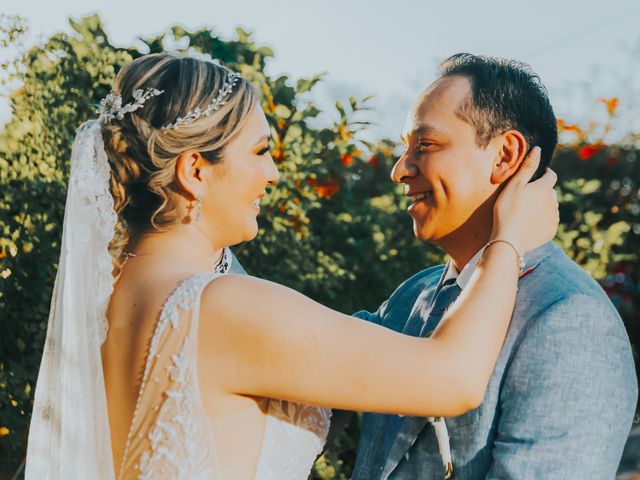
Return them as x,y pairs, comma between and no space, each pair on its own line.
167,364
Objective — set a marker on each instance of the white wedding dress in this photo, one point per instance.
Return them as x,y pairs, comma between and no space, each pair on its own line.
171,436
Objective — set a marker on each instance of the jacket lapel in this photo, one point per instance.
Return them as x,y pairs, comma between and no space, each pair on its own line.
419,313
422,307
407,434
411,427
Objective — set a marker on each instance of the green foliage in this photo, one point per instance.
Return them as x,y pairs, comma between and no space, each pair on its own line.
334,228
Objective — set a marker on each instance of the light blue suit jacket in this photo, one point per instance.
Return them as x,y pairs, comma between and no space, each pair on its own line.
236,266
559,404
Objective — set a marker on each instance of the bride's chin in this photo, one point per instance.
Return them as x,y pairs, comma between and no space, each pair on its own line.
251,231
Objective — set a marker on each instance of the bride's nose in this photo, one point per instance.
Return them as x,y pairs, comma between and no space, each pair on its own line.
273,174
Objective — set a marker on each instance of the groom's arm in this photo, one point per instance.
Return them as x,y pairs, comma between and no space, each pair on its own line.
569,396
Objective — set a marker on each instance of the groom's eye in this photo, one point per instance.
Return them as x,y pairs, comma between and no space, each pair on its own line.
423,146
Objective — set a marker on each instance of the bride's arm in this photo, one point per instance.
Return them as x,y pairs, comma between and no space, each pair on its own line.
261,338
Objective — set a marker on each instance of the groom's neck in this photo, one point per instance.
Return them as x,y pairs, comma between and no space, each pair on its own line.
463,243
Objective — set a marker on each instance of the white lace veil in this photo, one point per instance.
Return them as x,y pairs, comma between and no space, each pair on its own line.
69,434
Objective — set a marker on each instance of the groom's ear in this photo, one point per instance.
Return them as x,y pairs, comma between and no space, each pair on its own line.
512,149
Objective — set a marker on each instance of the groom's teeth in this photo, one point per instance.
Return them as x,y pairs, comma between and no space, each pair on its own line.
419,196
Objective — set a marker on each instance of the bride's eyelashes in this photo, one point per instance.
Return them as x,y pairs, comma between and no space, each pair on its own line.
263,151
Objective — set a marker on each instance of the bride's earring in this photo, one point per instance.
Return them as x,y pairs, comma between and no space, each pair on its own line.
199,208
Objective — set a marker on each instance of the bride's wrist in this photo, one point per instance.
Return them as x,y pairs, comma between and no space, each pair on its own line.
493,242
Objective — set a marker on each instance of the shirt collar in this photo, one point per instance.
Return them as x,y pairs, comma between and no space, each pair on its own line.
462,278
530,260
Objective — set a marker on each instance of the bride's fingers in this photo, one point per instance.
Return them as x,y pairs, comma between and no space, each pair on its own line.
527,168
548,180
543,188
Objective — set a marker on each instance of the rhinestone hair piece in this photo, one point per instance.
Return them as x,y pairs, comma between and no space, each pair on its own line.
215,104
111,106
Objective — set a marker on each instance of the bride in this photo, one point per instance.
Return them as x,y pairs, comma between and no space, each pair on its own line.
160,362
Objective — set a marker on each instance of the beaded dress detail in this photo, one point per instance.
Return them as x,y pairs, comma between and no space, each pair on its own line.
171,437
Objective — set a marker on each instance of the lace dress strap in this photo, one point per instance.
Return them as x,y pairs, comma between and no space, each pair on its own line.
168,436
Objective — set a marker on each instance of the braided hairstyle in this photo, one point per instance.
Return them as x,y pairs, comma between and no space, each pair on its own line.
142,155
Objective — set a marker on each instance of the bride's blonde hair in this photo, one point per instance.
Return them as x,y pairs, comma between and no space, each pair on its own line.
142,154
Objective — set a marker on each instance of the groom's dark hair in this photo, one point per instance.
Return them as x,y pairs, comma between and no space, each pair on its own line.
505,95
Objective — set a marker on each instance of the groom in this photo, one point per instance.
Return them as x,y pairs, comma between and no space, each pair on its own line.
563,394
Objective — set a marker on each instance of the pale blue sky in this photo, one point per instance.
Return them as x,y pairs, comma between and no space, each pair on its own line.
581,49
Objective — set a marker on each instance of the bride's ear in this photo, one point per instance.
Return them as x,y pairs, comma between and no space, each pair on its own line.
189,173
511,152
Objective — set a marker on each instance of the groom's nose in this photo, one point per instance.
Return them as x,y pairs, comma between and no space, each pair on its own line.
404,168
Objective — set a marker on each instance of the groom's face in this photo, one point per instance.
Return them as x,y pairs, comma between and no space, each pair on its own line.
446,174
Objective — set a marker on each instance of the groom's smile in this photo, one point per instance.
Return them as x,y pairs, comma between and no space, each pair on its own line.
417,197
445,173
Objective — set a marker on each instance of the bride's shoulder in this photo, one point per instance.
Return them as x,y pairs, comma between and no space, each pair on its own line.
224,293
232,292
232,302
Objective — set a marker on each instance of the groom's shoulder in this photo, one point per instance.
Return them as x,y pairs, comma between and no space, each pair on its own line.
557,277
564,321
558,291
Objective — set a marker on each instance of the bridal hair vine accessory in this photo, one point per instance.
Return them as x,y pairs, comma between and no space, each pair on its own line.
111,106
216,103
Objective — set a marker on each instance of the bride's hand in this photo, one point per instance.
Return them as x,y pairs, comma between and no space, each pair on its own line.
526,214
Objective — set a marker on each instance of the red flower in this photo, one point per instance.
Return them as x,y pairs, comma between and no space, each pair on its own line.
588,151
374,161
347,160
